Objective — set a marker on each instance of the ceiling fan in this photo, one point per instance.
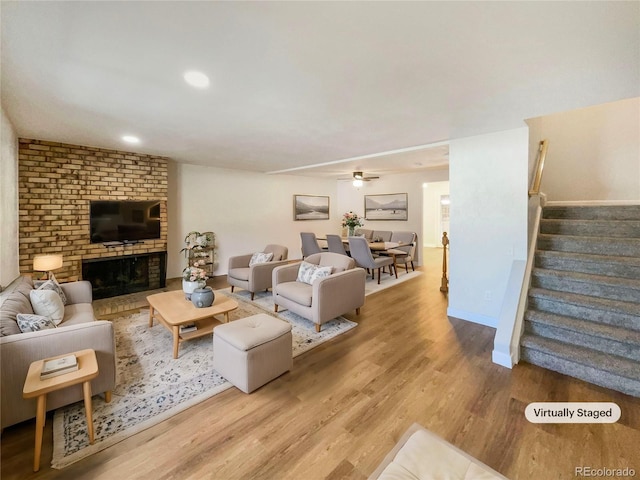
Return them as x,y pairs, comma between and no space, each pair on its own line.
358,178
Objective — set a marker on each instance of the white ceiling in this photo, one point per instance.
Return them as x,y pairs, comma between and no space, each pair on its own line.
307,83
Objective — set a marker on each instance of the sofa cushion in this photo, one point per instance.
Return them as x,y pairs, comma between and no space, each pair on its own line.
298,292
309,273
51,284
47,303
30,322
77,313
14,304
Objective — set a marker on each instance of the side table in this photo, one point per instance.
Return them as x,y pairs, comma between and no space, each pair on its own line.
34,387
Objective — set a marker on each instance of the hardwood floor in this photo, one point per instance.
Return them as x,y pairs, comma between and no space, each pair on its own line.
346,403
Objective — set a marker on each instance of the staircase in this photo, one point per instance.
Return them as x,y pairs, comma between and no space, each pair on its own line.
583,316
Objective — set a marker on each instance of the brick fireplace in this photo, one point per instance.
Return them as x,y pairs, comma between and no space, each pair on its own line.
56,183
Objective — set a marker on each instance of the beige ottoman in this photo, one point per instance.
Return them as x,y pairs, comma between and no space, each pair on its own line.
252,351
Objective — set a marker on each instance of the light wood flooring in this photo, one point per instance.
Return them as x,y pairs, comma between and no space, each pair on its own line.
346,403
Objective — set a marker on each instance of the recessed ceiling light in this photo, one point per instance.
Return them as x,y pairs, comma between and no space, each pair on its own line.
196,79
130,139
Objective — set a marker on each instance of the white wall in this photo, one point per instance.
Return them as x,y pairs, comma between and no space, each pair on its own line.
431,231
594,152
488,182
246,210
9,250
352,199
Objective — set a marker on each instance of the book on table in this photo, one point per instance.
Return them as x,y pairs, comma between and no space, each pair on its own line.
59,366
189,327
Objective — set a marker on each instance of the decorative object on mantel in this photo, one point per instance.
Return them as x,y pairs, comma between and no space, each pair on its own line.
351,221
46,263
202,297
389,206
310,207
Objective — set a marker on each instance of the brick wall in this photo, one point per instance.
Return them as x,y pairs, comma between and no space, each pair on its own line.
56,182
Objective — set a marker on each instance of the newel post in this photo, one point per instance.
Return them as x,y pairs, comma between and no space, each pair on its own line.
444,285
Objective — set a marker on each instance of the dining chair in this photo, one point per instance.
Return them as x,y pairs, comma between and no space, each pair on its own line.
334,242
361,253
406,252
310,244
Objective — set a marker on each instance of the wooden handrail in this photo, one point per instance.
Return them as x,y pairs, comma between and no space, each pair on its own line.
542,155
444,285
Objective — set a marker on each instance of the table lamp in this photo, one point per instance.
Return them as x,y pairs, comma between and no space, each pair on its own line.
46,263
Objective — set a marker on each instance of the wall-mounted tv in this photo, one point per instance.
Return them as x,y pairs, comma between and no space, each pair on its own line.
124,220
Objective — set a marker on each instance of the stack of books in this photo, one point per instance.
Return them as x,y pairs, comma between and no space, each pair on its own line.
189,327
59,366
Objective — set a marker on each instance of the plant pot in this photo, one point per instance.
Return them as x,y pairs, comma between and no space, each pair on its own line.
189,287
202,297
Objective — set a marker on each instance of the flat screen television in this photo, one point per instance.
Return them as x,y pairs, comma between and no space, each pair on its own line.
124,220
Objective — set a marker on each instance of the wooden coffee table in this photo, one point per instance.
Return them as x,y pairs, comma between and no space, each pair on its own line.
171,309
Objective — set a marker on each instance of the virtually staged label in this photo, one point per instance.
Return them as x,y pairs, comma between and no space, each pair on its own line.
572,412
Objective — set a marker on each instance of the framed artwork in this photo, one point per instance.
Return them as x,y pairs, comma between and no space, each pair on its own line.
310,207
388,206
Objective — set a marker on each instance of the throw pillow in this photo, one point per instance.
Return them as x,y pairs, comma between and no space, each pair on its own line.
260,257
309,273
52,284
29,322
47,303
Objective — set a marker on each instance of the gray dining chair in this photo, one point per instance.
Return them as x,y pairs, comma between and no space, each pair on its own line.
406,252
334,242
310,244
360,252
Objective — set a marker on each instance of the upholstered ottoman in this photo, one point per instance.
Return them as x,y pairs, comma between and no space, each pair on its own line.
252,351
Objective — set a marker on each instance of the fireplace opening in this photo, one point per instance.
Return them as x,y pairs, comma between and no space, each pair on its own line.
115,276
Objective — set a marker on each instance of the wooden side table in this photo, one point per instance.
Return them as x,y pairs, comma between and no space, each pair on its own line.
34,387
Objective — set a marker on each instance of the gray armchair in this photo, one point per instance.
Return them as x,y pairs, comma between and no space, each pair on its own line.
258,276
325,299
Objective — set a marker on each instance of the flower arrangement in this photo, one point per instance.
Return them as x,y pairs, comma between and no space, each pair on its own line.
194,273
351,220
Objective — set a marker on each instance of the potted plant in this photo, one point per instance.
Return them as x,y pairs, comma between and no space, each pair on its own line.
351,220
193,277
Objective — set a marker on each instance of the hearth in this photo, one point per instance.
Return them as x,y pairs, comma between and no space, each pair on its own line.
115,276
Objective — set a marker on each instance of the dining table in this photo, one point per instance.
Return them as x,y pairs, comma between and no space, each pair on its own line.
386,248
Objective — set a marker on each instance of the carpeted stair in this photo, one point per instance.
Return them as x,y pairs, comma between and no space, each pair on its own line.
583,314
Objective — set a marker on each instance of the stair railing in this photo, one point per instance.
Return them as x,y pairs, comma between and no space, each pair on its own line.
444,284
506,344
537,179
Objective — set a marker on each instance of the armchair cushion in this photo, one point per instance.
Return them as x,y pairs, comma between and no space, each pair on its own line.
309,273
260,257
299,292
240,273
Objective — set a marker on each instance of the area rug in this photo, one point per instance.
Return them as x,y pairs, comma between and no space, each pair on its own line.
387,281
153,386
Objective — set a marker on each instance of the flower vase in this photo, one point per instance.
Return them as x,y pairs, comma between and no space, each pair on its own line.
189,287
352,231
202,297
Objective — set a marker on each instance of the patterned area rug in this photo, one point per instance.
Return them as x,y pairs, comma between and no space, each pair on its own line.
152,386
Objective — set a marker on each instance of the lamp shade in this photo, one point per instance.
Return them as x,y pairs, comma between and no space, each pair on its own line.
44,263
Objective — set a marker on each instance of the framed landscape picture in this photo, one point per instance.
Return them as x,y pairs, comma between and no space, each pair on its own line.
310,207
389,206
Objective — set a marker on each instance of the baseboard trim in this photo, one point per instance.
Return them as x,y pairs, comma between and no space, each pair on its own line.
592,203
472,317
